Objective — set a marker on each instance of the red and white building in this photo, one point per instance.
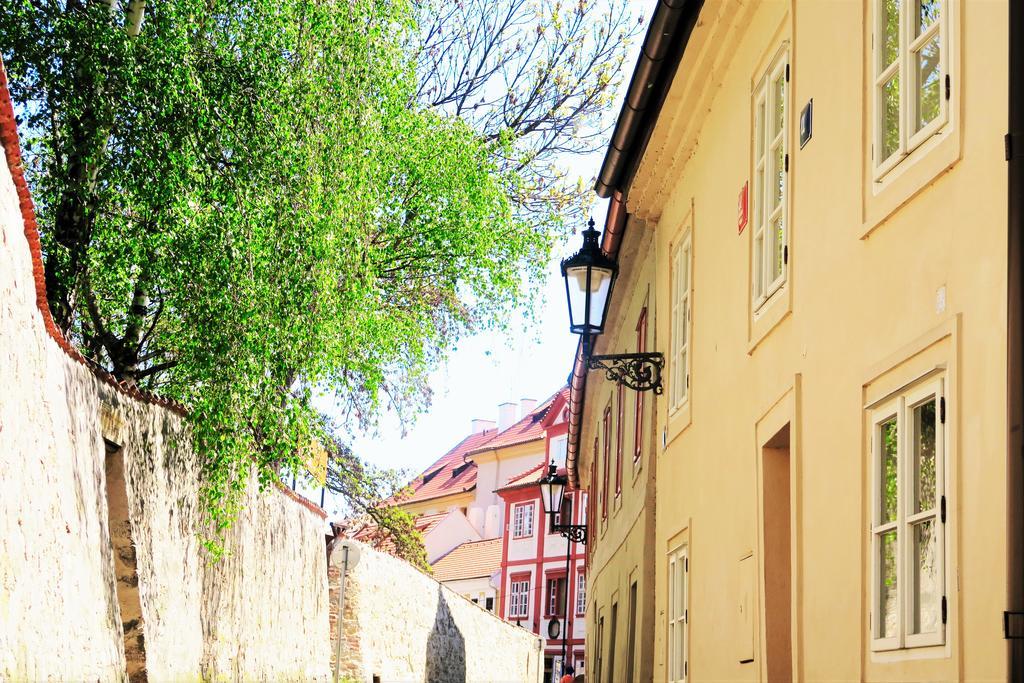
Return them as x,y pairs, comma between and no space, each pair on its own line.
540,569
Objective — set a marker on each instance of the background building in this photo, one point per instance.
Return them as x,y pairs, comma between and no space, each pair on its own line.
543,575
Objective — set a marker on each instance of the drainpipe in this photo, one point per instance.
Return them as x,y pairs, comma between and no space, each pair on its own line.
1013,618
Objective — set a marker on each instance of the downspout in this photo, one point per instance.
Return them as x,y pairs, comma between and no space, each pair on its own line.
1013,618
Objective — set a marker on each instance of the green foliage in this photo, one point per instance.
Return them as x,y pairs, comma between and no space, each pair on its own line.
244,206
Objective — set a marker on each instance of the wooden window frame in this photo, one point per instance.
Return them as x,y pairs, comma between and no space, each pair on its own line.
519,526
681,318
550,599
638,405
581,592
606,479
763,290
901,406
904,67
520,598
677,659
620,428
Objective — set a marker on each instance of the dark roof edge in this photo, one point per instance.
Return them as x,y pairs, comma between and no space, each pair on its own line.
662,50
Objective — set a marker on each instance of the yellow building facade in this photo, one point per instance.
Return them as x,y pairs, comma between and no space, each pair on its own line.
817,228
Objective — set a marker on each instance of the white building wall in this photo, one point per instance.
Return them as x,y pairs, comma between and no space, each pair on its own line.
450,533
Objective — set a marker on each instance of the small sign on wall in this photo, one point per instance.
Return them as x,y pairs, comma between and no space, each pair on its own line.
806,122
741,208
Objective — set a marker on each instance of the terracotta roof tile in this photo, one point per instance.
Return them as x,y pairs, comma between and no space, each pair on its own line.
529,428
470,560
451,474
523,475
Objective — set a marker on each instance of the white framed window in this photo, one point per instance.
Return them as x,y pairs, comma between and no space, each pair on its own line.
908,519
557,448
770,256
679,382
557,586
678,615
584,506
910,47
522,520
581,593
519,597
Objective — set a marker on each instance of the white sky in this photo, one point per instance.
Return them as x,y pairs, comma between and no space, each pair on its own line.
491,368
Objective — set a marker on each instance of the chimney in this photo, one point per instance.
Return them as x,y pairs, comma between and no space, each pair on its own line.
479,425
506,415
526,406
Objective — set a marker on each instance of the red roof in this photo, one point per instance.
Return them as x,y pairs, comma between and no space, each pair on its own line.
522,475
451,474
455,472
470,560
529,428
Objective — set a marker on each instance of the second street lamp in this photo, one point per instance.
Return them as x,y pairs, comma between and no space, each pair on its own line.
552,492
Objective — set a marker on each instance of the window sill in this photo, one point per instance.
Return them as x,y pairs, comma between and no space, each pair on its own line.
770,315
908,654
913,174
678,421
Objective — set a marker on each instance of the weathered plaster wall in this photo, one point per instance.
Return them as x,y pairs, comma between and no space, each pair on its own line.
402,625
259,614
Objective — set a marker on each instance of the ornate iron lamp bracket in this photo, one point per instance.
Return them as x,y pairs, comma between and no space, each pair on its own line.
576,533
638,371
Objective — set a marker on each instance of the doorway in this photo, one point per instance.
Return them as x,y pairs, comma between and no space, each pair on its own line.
778,590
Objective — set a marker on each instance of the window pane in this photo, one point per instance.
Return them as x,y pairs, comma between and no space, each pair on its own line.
678,607
778,175
758,265
888,434
926,578
684,313
890,115
779,103
777,262
684,271
890,32
924,456
928,78
758,196
760,129
927,13
888,606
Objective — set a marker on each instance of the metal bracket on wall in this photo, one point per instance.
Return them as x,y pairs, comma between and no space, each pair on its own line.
638,371
1013,625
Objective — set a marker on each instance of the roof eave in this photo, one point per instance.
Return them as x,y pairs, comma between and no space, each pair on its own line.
660,54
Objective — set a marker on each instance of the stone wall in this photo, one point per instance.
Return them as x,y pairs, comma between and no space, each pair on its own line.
402,625
259,614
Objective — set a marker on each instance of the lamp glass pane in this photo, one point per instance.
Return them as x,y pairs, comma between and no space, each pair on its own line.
600,284
553,497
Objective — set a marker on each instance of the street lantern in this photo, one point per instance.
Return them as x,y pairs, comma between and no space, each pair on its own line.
552,489
589,275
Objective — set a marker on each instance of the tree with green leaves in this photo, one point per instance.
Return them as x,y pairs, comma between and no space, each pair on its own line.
248,205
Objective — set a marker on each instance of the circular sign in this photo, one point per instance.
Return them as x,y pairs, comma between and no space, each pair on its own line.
554,629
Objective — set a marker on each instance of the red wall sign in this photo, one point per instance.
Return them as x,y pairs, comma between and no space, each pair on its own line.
741,209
